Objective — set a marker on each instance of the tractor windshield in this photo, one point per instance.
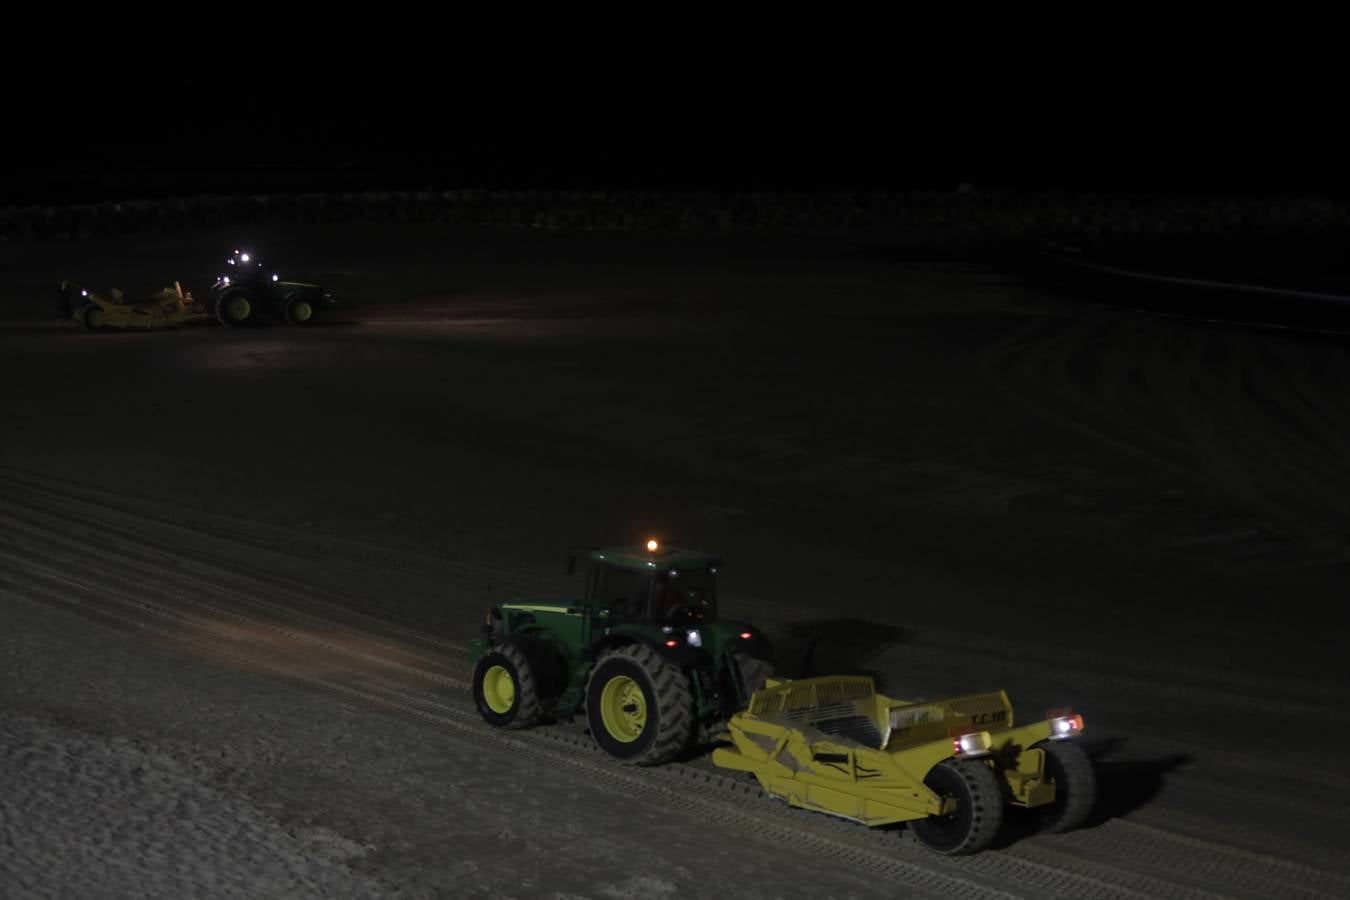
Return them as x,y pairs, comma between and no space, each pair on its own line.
685,598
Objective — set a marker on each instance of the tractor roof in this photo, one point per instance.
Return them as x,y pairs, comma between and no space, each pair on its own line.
667,557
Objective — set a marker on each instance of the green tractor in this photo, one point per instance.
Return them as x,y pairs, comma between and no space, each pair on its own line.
644,655
252,290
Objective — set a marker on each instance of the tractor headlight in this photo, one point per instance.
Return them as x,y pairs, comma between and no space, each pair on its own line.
693,637
1064,727
225,279
244,257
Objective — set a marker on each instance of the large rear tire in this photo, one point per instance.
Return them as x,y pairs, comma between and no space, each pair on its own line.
236,308
1068,766
640,707
505,689
979,808
754,673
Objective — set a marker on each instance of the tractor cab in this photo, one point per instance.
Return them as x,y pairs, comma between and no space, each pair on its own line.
652,586
246,268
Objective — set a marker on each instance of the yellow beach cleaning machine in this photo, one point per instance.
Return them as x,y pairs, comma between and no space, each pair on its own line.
948,768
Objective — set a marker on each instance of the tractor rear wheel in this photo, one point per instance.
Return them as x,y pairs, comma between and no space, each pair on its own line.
640,707
505,690
1068,766
754,672
236,307
978,813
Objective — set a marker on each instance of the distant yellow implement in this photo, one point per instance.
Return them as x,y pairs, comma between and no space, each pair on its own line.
97,311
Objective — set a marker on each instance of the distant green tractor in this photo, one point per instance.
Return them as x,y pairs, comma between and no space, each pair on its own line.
644,655
252,290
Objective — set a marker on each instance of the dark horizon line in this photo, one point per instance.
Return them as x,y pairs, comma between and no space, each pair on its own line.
63,184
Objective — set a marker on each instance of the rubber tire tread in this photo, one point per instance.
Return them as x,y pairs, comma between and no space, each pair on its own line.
1074,772
219,308
754,671
674,704
529,710
978,790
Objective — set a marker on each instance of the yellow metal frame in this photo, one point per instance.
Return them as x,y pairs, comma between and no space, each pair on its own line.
170,306
779,740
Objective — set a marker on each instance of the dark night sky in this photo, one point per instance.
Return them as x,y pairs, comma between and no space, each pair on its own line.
792,121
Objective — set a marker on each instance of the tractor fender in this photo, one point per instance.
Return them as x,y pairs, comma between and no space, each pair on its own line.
681,655
757,645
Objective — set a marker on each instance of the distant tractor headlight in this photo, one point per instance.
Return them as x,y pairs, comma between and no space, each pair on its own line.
693,637
274,276
1064,727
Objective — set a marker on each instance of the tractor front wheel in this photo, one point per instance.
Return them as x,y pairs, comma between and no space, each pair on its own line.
976,813
640,707
299,310
505,690
1068,766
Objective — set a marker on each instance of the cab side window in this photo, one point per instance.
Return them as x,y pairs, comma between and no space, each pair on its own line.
625,594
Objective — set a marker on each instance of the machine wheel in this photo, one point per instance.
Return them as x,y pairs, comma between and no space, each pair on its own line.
979,808
1068,766
237,307
505,690
754,672
639,706
91,317
299,310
